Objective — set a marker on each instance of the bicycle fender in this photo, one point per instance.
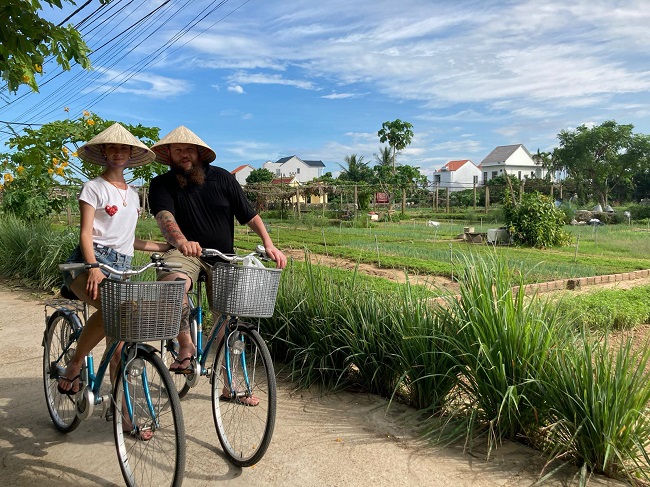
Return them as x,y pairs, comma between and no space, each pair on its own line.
68,313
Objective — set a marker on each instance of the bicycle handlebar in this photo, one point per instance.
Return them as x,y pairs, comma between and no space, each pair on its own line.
156,261
259,252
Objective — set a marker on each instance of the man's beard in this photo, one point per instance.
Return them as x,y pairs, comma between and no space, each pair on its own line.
193,177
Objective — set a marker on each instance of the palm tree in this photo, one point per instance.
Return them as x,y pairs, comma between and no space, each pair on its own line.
356,170
384,158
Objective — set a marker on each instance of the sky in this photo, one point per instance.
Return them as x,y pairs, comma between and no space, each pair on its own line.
258,80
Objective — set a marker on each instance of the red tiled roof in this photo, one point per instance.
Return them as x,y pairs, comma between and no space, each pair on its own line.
236,170
455,165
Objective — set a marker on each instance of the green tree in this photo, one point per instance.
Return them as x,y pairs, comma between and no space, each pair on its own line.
26,40
355,169
602,157
46,158
398,134
258,185
384,157
358,172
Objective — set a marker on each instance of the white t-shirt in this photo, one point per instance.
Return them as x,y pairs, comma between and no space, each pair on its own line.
114,224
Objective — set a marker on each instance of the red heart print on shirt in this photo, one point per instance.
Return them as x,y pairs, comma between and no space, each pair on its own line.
111,210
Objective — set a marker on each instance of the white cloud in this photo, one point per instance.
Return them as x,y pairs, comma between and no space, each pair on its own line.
338,96
269,79
236,89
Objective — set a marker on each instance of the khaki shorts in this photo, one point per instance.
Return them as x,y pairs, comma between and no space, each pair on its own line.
192,267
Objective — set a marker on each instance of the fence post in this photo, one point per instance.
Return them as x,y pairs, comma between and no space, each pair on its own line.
487,198
436,200
298,200
447,195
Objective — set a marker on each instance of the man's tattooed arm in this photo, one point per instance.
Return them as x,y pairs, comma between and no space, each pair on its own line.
170,229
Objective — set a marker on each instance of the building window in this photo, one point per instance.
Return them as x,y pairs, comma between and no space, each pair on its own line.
519,176
277,172
298,170
436,178
485,179
494,174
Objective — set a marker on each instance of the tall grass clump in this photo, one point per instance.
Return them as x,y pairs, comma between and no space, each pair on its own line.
32,251
504,341
427,352
304,329
337,331
598,414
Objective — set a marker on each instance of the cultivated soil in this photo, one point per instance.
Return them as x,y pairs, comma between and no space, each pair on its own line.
342,439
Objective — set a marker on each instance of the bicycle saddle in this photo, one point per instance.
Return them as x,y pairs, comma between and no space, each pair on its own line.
67,293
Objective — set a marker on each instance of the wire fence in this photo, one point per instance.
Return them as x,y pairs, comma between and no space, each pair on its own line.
345,200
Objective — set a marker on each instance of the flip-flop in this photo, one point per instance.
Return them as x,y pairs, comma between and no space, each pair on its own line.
71,391
182,370
243,400
140,435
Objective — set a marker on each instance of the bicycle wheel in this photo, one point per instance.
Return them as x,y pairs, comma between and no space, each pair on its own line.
169,352
151,445
59,344
244,430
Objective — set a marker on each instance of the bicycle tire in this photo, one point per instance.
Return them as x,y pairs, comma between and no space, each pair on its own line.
244,431
160,460
169,352
58,348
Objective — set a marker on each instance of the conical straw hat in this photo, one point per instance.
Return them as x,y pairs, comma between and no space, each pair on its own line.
91,151
182,135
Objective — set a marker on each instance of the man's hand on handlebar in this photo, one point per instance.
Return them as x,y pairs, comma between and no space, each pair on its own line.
190,249
279,258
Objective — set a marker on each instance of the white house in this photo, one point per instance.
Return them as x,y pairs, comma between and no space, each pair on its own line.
458,175
511,159
242,172
293,166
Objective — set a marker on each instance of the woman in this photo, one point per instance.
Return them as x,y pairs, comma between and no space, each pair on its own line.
109,212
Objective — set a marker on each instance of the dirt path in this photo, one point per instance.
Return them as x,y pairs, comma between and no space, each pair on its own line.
344,439
398,275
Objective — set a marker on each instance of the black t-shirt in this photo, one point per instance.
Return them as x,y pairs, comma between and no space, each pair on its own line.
204,214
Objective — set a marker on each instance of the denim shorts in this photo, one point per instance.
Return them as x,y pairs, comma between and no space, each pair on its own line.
105,255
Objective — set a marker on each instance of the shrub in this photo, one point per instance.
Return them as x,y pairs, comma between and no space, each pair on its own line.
535,221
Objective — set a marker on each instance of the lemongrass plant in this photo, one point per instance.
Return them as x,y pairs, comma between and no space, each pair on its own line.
598,415
504,340
32,251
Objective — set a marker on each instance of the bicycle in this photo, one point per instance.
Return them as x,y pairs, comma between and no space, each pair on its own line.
242,375
144,399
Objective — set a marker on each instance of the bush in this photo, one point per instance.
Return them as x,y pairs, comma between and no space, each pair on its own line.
639,212
535,221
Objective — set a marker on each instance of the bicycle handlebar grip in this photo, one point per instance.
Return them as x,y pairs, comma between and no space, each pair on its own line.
72,266
172,265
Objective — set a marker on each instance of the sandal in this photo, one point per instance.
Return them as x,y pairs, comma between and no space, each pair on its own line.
71,391
140,434
180,369
250,401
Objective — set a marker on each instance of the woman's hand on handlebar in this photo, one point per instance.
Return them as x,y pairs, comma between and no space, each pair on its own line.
95,277
190,249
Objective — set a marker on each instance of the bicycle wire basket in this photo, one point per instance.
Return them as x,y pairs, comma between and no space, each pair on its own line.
141,311
246,291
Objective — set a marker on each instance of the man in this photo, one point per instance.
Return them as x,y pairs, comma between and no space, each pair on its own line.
195,205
